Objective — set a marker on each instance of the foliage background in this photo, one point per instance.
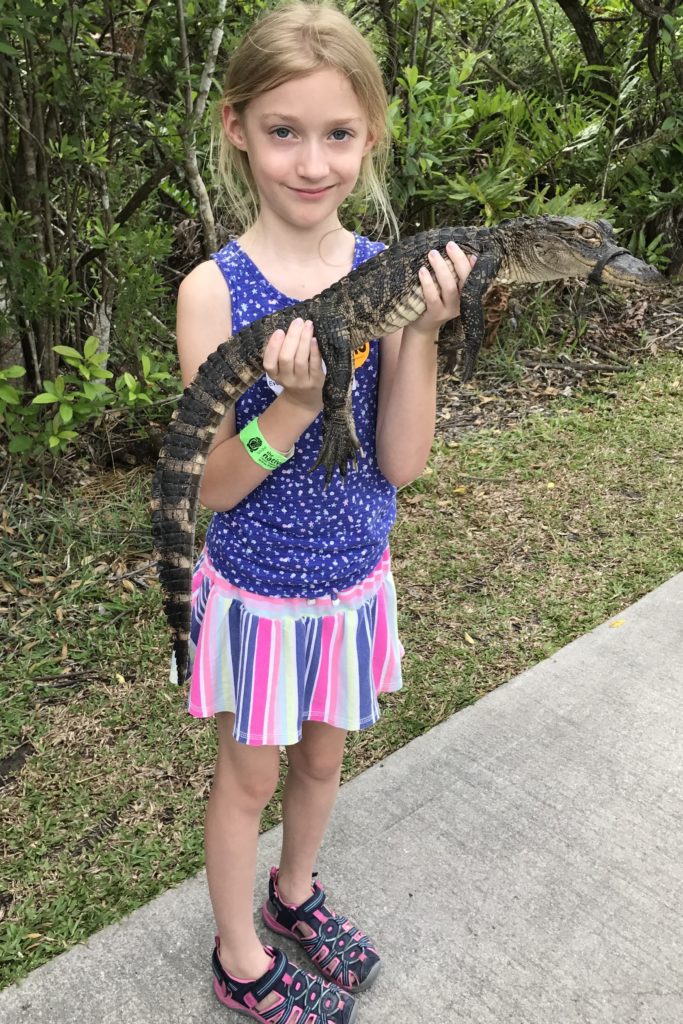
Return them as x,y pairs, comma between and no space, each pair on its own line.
107,199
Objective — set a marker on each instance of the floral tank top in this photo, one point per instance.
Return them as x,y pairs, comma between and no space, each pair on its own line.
291,537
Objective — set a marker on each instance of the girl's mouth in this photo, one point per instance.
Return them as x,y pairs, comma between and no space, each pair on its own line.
311,193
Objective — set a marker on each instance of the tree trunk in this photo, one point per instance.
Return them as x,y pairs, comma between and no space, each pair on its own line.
590,43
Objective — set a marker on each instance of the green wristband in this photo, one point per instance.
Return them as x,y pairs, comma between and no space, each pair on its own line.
259,449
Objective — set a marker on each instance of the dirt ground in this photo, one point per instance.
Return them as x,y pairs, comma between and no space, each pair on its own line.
513,382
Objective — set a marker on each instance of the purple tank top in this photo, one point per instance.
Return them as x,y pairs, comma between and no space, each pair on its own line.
290,537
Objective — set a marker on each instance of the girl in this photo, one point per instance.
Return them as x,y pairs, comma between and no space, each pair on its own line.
293,632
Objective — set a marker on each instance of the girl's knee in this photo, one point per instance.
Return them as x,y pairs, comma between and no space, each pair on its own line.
318,769
319,754
245,774
249,783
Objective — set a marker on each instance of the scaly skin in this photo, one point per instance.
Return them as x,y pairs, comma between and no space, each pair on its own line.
381,296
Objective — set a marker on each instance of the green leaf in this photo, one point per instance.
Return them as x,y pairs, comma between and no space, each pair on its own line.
44,398
20,444
12,372
67,350
411,74
9,394
56,44
91,345
66,412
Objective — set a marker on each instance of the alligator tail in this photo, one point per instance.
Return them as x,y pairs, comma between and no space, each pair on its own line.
221,380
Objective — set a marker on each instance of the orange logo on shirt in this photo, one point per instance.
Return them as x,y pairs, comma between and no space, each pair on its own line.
360,355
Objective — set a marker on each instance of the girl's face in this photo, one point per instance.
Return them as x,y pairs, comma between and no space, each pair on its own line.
305,141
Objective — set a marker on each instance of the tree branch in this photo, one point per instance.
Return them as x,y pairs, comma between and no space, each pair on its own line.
649,10
193,115
548,46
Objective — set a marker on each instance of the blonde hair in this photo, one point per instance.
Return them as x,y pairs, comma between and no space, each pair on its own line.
291,41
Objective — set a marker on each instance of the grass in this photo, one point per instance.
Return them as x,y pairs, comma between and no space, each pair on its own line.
511,545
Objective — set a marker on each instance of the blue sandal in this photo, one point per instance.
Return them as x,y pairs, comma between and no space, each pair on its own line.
339,949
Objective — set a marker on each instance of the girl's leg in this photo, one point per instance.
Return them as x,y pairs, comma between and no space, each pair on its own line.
309,794
343,953
244,782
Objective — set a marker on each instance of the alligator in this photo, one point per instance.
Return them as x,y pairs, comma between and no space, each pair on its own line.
381,296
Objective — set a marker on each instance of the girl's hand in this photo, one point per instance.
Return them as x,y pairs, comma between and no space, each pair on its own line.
294,361
443,295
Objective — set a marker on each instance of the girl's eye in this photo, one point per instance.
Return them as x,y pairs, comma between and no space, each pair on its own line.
339,134
280,132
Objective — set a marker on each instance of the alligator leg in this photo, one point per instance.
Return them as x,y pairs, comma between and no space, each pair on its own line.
472,309
340,441
451,341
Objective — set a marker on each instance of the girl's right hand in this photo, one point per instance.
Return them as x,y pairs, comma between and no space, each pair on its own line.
294,361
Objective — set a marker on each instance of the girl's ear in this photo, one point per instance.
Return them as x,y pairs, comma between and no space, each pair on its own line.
369,143
232,126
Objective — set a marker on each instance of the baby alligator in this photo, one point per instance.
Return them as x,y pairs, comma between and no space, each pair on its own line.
381,296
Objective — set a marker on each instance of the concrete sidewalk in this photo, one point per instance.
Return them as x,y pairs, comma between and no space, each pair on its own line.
520,864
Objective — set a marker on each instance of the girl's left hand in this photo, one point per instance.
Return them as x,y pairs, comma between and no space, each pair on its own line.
443,295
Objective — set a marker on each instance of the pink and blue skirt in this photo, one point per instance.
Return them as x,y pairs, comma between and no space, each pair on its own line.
278,662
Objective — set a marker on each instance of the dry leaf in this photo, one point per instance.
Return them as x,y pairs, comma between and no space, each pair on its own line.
617,623
469,639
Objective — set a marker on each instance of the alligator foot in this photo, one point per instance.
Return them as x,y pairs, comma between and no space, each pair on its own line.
340,444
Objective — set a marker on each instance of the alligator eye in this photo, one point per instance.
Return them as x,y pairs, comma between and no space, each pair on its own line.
589,233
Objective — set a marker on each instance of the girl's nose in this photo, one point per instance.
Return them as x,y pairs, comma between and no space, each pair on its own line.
312,162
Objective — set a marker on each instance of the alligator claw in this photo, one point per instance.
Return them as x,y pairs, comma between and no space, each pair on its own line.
340,445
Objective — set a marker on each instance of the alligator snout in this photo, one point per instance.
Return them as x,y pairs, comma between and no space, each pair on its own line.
626,271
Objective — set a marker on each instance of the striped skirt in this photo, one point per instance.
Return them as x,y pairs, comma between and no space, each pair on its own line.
277,662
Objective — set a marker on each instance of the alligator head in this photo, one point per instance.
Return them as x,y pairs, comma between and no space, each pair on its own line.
556,248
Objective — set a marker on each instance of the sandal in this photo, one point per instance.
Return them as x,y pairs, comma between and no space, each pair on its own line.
302,997
340,950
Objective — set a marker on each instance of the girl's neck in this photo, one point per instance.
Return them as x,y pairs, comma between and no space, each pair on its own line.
300,263
268,239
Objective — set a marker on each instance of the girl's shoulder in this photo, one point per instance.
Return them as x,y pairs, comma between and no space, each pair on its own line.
204,281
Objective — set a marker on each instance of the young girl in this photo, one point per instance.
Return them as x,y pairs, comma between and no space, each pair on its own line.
294,630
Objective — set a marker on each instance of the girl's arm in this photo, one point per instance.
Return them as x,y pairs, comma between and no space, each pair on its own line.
406,412
203,323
